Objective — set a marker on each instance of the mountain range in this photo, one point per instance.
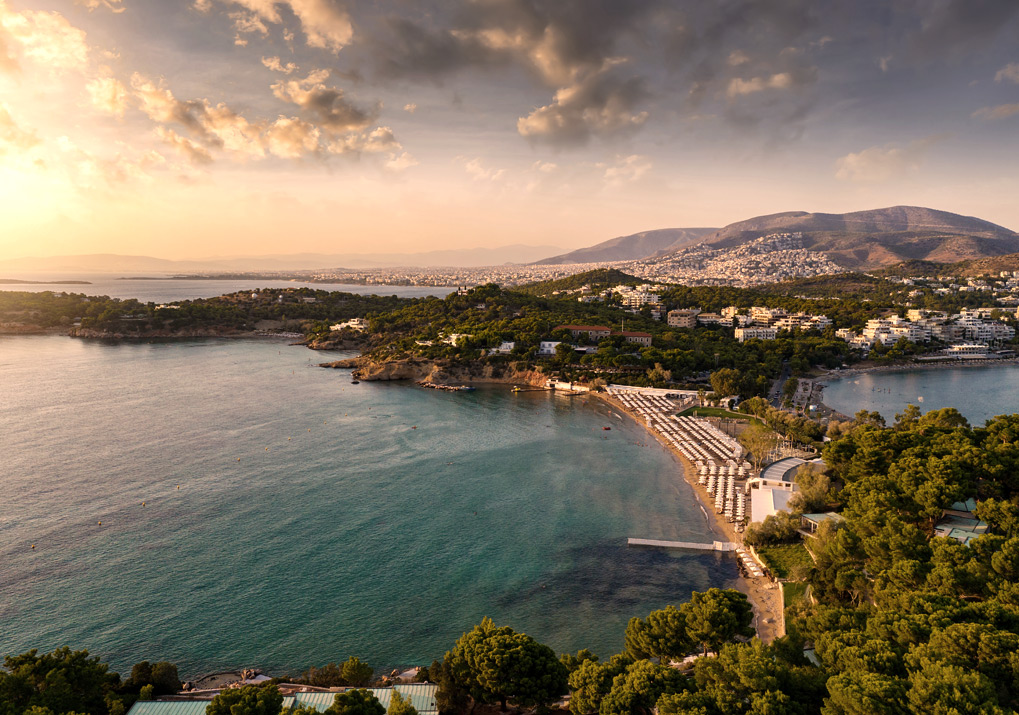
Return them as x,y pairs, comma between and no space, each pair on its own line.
861,240
633,247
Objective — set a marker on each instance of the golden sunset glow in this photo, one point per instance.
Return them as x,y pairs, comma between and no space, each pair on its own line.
231,126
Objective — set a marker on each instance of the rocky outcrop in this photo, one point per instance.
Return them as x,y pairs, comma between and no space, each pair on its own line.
440,372
337,342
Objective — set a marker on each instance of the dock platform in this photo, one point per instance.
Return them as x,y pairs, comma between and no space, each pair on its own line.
657,543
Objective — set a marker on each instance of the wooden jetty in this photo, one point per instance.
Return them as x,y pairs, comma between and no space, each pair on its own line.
657,543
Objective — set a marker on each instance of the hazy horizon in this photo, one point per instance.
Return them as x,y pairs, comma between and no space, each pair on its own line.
235,127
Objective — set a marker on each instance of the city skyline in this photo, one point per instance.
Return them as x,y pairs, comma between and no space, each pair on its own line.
226,127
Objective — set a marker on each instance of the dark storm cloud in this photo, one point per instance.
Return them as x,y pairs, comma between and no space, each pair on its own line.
551,37
611,66
956,27
601,104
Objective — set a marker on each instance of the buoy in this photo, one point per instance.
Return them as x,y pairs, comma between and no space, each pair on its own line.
266,449
414,427
289,438
143,503
100,523
33,546
238,459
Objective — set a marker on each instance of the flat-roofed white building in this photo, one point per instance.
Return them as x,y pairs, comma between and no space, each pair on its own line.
744,334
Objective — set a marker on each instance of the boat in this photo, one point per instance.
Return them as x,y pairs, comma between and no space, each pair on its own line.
355,382
606,428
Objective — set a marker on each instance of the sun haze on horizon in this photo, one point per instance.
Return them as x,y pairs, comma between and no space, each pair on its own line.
228,127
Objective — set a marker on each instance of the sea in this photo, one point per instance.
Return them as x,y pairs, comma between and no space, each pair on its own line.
227,503
978,392
165,290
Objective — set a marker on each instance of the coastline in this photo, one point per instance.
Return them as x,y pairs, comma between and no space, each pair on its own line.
832,375
764,597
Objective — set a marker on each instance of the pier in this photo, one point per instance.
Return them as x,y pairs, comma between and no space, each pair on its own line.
657,543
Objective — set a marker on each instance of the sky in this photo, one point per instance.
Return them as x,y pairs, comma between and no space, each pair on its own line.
202,128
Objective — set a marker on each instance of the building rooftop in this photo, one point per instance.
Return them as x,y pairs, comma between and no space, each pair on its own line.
422,697
784,470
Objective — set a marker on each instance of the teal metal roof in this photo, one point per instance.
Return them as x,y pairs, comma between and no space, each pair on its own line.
152,707
422,697
180,707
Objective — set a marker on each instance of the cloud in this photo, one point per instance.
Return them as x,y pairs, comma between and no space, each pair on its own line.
952,28
247,24
327,105
401,162
600,104
274,64
12,137
44,38
1002,111
627,170
884,163
338,127
325,24
410,108
108,95
477,170
291,138
1009,72
739,86
113,6
214,126
194,153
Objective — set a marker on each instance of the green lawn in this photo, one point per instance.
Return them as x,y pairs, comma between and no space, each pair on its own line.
713,412
793,591
783,558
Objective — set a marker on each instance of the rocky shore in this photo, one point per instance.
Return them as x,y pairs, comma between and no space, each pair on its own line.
440,372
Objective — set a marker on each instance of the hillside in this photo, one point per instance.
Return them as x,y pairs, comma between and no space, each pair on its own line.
879,238
598,279
633,247
991,265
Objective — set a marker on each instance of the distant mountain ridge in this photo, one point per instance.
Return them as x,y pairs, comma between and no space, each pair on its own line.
633,247
877,238
859,240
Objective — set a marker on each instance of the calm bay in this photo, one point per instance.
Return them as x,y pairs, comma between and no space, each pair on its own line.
978,392
257,510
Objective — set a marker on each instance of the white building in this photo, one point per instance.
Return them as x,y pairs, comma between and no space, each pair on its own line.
744,334
359,324
547,347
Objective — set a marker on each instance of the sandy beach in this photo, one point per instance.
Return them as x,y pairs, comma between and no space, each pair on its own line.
764,595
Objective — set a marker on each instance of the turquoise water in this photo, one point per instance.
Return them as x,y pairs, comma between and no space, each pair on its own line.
353,534
979,393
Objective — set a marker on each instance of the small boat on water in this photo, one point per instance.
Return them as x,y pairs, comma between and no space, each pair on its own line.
355,382
606,428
